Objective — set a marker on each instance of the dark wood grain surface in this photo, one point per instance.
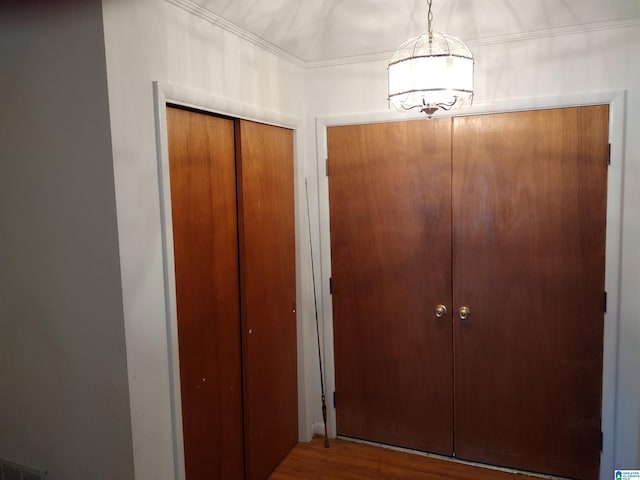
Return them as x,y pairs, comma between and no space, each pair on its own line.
527,209
268,293
390,211
529,213
203,203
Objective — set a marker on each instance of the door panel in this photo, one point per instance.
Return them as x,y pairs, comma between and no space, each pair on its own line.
390,190
203,204
267,277
529,213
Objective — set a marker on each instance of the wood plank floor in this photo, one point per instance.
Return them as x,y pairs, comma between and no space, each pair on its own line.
345,460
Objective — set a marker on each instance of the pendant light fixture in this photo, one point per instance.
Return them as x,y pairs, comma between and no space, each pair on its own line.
431,71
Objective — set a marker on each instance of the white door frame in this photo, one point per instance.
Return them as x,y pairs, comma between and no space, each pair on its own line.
617,103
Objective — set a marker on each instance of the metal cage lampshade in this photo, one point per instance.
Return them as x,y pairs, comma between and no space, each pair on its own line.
431,71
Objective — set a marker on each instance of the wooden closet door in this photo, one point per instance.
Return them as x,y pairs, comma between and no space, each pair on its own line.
268,293
390,216
529,213
203,205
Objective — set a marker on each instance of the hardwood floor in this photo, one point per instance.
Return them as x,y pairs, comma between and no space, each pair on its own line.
345,460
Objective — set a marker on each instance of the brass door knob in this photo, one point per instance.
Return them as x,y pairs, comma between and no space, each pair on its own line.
464,313
440,311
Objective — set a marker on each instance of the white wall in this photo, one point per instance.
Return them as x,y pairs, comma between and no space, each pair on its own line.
578,64
149,40
64,404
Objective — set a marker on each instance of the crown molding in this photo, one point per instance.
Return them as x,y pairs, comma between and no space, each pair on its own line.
234,29
555,32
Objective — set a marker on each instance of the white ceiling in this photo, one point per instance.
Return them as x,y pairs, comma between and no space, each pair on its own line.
326,30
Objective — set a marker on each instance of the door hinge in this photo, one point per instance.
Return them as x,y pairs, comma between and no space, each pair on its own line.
601,441
334,399
330,285
609,156
604,302
326,167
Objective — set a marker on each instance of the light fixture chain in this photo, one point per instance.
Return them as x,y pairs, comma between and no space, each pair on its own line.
429,19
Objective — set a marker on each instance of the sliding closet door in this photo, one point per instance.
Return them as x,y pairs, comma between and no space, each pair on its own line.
203,204
529,193
267,277
390,216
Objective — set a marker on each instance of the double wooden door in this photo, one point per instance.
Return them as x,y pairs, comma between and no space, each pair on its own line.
233,234
504,215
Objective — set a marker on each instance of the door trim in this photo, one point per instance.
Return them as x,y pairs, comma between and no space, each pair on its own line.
617,112
164,93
